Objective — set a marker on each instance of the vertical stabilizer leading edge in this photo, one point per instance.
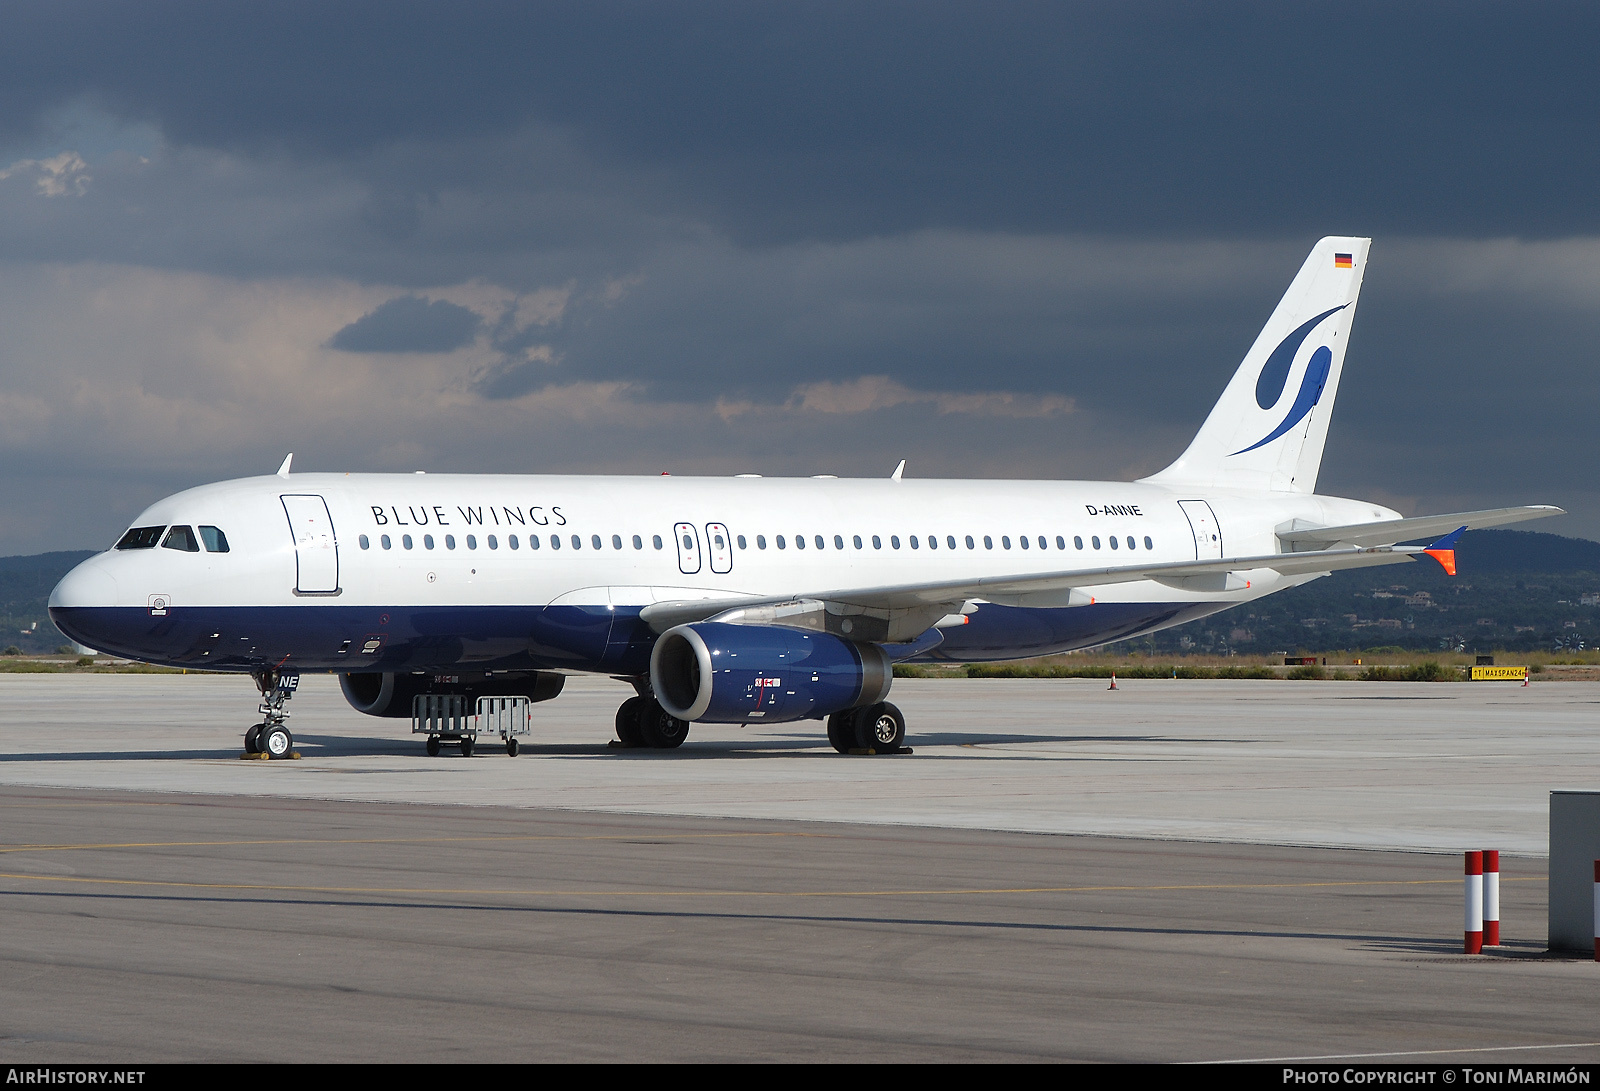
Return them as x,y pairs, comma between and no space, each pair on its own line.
1268,429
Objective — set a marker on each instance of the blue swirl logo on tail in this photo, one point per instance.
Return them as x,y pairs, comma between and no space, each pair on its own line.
1275,373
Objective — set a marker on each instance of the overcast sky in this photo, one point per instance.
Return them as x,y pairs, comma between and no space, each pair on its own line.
998,240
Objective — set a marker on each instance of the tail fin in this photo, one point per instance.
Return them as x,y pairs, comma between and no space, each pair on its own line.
1268,429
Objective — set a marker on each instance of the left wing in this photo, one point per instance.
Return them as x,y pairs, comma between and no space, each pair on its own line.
901,612
910,609
1391,531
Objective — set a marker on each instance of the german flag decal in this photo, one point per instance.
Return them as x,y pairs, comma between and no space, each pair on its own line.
1343,261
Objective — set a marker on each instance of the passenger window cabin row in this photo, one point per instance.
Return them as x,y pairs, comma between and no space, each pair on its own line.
575,541
932,541
213,540
512,541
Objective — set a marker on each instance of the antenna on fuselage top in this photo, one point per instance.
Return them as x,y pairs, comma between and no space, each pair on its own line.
283,471
898,470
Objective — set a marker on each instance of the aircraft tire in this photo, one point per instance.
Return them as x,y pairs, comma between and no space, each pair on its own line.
433,746
276,742
659,729
252,739
628,722
842,730
880,727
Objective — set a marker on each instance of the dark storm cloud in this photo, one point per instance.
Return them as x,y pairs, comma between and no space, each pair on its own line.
789,238
781,121
409,324
937,309
1472,368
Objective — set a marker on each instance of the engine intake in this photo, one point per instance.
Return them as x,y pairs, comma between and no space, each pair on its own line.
391,694
712,672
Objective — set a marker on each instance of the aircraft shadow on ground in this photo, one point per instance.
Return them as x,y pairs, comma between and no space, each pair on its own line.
695,749
315,745
125,755
922,743
979,738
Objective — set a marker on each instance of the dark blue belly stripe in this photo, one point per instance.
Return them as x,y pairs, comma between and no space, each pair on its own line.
586,638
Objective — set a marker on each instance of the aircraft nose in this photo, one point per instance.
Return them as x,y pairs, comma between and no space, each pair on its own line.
87,585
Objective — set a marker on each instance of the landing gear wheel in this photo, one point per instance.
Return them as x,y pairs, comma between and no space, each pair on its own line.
880,727
628,721
433,746
842,730
275,741
660,728
252,739
512,747
466,746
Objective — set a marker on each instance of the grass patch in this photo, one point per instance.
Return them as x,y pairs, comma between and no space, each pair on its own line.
1429,670
83,665
1133,667
1093,670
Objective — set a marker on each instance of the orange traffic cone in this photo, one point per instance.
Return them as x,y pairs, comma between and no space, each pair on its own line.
1525,681
1113,680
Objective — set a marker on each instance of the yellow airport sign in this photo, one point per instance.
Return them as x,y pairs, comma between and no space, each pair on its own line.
1499,674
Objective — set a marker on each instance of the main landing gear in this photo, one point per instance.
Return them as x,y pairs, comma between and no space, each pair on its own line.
642,722
270,736
880,727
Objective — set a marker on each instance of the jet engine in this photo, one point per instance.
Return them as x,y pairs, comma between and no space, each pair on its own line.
391,694
713,672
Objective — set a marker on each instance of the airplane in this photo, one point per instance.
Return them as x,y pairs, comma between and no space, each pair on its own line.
746,600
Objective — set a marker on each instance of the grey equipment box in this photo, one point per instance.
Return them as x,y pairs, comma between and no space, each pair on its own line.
1574,847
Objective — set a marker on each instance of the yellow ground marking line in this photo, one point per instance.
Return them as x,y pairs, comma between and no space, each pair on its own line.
74,804
485,839
438,891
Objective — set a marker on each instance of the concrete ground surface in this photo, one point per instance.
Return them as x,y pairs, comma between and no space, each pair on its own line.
1437,767
1173,871
171,928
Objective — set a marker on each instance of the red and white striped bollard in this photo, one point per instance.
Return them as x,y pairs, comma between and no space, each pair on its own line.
1474,899
1491,897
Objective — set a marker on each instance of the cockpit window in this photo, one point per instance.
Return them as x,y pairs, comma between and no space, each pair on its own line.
181,538
215,540
141,538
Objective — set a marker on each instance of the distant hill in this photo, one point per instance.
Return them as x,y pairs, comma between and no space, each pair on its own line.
1526,552
1517,590
59,563
25,584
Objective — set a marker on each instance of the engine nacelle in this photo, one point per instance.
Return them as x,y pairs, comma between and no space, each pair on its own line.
713,672
391,694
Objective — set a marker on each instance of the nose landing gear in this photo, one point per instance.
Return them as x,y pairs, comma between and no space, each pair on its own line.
271,737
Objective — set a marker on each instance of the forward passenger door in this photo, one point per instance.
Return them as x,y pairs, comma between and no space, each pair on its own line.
316,550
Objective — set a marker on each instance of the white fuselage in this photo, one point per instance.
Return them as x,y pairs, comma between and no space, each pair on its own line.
440,548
